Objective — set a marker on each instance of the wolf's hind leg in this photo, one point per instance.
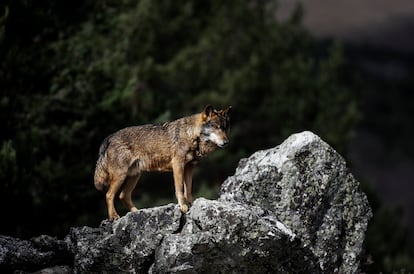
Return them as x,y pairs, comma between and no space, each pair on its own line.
125,195
114,186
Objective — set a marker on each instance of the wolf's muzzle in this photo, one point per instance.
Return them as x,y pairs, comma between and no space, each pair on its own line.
224,144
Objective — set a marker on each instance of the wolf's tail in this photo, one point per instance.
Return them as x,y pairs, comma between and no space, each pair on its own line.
101,173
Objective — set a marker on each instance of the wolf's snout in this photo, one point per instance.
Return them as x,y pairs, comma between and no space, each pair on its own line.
225,143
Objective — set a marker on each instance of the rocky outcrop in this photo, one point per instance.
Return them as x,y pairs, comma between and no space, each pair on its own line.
294,208
38,253
307,185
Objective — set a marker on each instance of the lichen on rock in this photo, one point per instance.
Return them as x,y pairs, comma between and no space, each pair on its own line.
307,185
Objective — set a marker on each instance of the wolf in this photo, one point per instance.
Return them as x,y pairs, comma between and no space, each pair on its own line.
174,146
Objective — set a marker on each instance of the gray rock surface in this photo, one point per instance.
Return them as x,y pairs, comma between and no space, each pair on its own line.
294,208
29,255
226,237
126,245
306,184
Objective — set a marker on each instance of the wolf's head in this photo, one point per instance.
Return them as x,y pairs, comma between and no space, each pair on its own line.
215,125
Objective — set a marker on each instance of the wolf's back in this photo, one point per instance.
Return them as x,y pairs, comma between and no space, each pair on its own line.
101,174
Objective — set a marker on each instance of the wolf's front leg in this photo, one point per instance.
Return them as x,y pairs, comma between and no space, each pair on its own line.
188,182
178,172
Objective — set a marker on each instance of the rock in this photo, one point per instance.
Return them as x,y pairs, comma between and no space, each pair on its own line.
307,186
126,245
294,208
60,269
33,254
225,237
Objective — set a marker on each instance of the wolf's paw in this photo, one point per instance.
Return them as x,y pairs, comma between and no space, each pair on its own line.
114,217
134,209
184,208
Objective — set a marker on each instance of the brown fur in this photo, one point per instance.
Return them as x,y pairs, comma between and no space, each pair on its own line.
174,146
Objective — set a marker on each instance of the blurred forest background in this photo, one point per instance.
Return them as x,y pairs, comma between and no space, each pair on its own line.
72,72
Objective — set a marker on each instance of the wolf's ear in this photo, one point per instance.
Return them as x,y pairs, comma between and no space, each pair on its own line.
227,111
208,110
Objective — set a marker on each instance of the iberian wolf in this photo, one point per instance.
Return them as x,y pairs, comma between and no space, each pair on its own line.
173,146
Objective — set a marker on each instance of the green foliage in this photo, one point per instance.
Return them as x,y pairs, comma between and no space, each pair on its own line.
388,242
388,245
134,62
69,81
8,165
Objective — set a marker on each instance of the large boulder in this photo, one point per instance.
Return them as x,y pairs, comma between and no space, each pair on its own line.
307,186
226,237
294,208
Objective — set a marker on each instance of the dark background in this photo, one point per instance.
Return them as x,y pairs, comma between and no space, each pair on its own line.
72,72
378,38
